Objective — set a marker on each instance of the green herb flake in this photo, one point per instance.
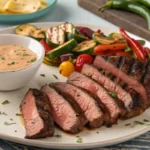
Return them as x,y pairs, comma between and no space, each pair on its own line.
3,113
145,120
32,60
5,102
17,114
112,94
42,75
128,124
79,140
55,76
139,122
25,54
57,135
12,63
8,124
11,119
2,58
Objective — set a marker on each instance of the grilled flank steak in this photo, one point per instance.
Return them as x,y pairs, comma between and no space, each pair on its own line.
37,115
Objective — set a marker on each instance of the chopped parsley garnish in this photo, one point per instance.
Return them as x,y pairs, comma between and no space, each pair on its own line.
79,140
8,124
32,60
5,102
139,122
18,114
12,63
128,124
57,135
2,58
11,119
145,120
42,75
55,76
112,94
3,113
25,54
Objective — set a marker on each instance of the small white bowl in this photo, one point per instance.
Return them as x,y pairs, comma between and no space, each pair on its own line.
11,80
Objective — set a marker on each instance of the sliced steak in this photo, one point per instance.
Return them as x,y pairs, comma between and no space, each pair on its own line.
88,105
99,62
125,66
62,112
146,83
115,60
109,85
91,86
137,72
37,115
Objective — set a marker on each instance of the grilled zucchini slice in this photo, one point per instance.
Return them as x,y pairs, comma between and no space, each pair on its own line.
25,29
62,49
55,36
38,34
85,47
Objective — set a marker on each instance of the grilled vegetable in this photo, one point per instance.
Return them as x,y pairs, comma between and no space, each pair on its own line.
85,47
46,46
86,31
51,62
81,60
78,37
129,5
68,27
25,29
136,46
55,36
38,34
62,49
101,39
66,68
113,47
66,57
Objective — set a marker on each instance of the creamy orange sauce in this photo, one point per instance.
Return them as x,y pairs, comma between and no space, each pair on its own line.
14,57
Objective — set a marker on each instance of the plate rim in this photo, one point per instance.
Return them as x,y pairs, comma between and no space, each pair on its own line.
55,145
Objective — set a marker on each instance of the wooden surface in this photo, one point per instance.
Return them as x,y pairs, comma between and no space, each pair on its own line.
129,21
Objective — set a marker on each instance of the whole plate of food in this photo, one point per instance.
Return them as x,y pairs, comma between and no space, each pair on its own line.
92,89
12,11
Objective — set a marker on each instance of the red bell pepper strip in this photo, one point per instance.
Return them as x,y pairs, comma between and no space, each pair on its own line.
123,54
113,47
136,46
46,46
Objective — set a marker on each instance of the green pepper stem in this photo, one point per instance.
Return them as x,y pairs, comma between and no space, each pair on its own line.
106,6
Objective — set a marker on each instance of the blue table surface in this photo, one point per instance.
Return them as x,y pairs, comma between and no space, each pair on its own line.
68,10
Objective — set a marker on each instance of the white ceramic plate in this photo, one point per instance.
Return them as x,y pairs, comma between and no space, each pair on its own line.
90,139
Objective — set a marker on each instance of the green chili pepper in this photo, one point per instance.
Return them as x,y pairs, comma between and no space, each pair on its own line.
128,5
144,2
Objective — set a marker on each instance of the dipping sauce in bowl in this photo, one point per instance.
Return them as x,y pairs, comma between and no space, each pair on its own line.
14,57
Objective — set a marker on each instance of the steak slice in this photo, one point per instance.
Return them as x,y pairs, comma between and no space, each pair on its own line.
91,86
146,83
88,105
62,112
109,85
115,60
99,62
36,112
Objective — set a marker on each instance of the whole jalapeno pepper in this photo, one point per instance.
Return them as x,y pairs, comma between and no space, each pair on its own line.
129,5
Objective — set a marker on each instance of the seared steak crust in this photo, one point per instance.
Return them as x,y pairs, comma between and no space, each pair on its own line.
40,123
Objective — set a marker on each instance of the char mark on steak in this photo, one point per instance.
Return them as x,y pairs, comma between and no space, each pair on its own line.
88,105
99,62
63,113
91,86
109,85
146,82
36,111
115,60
